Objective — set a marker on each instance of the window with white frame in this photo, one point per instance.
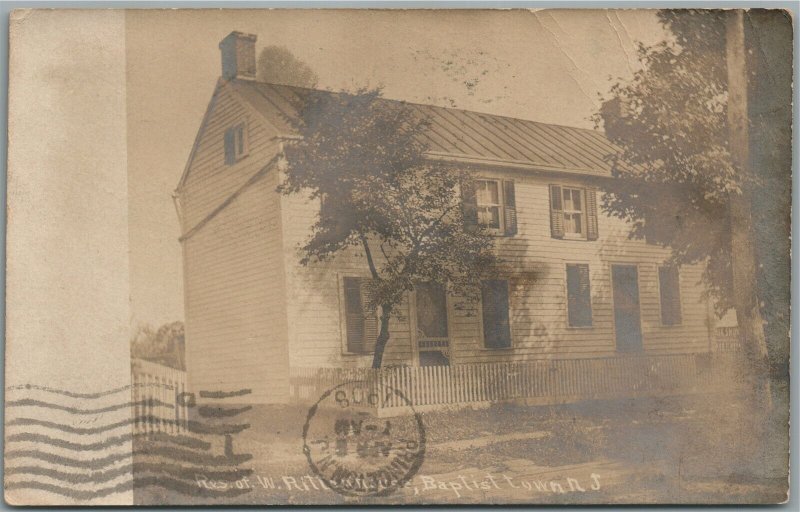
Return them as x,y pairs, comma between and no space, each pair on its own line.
489,196
574,212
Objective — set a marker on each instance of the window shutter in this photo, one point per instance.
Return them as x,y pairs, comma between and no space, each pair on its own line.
591,214
469,204
489,310
370,318
556,212
669,287
354,314
230,149
510,208
240,150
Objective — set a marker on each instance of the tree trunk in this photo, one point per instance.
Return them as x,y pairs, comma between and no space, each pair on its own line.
743,260
383,337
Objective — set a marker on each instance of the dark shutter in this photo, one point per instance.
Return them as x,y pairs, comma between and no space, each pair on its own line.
579,296
370,318
469,204
556,212
510,208
591,214
494,303
361,324
239,140
354,314
669,288
230,147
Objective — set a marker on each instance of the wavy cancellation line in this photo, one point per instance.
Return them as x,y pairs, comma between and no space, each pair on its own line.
89,396
30,402
169,460
137,468
183,441
175,447
167,452
137,482
192,426
90,431
225,394
69,445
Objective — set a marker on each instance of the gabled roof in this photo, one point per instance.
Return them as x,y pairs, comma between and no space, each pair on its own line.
462,135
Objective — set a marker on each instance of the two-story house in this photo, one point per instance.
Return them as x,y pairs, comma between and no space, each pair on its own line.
255,317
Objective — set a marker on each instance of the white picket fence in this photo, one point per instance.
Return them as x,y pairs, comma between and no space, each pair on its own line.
160,402
158,396
546,381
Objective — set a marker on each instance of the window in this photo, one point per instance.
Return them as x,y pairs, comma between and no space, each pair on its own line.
496,324
490,207
361,326
491,203
573,213
579,297
235,143
669,288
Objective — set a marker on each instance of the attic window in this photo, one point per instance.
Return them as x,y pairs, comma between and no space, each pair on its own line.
235,143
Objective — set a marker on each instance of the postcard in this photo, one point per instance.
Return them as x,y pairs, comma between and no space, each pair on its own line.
294,257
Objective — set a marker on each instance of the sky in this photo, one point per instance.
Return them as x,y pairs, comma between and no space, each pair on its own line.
549,66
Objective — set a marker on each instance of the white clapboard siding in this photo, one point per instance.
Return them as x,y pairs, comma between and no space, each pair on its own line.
314,299
234,287
538,302
253,311
209,180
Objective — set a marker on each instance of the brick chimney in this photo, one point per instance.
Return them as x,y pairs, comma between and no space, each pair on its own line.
238,56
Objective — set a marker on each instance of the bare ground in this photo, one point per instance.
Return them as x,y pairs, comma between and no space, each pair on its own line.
655,450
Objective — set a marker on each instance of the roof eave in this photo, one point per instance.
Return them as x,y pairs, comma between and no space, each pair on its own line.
517,165
198,136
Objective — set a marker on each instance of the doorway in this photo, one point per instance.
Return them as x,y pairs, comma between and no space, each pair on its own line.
433,340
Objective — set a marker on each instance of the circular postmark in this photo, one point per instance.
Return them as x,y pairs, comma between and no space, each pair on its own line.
353,450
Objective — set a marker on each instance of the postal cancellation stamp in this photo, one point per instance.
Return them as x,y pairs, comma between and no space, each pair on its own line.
398,256
354,451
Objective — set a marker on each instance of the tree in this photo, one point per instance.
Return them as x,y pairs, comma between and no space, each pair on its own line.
742,250
674,173
163,346
680,180
277,65
361,157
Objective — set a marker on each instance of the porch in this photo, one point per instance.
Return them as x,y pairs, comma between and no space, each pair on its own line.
537,382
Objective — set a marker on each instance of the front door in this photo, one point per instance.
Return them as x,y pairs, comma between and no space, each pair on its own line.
625,281
431,324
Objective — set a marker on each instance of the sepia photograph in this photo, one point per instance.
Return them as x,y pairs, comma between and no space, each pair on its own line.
398,257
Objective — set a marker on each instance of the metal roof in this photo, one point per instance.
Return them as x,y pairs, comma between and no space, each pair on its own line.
463,135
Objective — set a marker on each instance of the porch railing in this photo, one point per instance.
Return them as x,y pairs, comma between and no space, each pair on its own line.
156,395
546,381
726,339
